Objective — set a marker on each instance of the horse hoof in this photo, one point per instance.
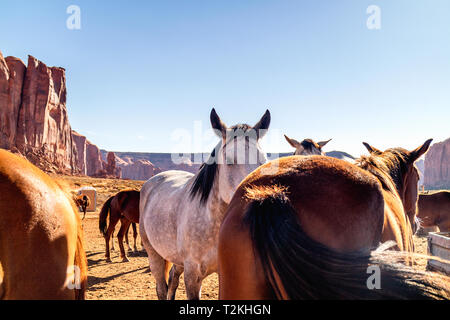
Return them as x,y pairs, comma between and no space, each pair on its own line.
125,259
108,260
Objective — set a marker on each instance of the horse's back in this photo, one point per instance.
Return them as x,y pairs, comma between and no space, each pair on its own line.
38,232
167,180
339,204
163,186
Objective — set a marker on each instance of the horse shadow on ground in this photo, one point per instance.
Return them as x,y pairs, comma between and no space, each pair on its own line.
94,261
93,281
140,253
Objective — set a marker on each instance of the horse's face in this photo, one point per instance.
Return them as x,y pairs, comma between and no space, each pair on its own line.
410,196
411,184
240,156
240,152
307,147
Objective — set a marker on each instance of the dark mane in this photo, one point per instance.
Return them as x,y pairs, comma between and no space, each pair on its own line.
205,178
242,126
389,168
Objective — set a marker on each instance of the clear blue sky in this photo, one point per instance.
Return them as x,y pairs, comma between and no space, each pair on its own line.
139,70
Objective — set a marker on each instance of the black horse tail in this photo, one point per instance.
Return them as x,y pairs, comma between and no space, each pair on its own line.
104,215
298,267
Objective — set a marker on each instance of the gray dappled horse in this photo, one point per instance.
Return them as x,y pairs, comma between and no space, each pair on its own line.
181,213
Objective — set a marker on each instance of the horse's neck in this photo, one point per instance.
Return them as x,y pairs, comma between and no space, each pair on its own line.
385,179
215,206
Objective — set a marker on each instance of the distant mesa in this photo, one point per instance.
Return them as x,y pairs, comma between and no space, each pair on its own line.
34,123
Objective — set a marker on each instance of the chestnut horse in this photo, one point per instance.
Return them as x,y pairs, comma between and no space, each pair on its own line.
434,210
307,147
307,230
41,237
83,202
123,206
399,178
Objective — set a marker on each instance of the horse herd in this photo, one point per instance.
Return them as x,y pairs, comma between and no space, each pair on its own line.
305,226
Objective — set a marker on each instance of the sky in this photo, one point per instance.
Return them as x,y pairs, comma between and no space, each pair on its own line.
143,74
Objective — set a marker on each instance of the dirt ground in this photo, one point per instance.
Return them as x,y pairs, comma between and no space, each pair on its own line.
121,280
131,280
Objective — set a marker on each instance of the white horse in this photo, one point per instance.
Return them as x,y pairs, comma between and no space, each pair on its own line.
307,147
181,213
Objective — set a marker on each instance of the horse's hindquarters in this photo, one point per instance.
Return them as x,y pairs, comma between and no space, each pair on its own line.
44,226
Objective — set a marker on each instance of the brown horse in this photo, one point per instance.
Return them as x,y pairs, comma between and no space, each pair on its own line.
434,210
123,206
41,238
307,147
399,178
83,202
305,228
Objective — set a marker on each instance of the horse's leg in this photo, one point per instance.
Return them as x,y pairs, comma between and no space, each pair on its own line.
125,225
109,234
157,266
174,280
84,212
127,241
193,281
135,234
112,242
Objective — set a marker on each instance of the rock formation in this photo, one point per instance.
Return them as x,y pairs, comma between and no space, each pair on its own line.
110,167
34,120
89,159
33,114
136,169
94,162
80,142
437,166
12,75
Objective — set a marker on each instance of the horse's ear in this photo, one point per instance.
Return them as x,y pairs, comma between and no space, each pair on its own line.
372,150
323,143
220,128
263,124
293,142
420,151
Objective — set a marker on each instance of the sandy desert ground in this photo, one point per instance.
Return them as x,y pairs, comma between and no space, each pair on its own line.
120,280
130,280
